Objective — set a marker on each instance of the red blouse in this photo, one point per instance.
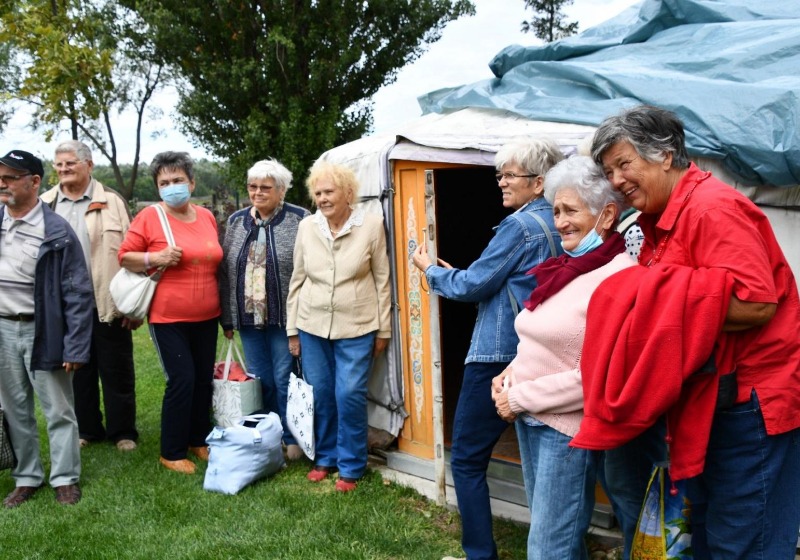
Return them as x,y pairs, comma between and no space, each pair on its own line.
709,224
187,292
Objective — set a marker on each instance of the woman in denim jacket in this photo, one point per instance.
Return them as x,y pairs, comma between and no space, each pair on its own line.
519,244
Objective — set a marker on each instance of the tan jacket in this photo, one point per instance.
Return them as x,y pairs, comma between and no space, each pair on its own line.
107,221
340,289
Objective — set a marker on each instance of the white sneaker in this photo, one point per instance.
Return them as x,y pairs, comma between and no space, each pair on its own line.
452,558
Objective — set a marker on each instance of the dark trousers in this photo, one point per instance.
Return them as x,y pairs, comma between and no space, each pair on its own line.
186,351
111,364
476,429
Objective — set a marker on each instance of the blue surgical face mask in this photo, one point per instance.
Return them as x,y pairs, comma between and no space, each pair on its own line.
175,195
589,243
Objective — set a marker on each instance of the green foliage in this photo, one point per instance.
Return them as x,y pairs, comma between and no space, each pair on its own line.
209,177
81,61
548,23
272,78
132,508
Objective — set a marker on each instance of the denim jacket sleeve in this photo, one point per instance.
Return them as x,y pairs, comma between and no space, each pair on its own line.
489,273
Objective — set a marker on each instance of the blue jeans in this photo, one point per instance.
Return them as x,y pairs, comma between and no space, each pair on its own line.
625,474
746,504
559,484
476,429
268,358
339,370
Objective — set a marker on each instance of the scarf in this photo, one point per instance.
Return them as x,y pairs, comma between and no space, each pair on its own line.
255,271
556,272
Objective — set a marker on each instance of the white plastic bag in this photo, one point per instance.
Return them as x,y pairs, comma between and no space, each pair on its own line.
231,400
241,454
300,413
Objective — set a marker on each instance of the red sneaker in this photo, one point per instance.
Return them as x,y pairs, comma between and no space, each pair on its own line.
318,474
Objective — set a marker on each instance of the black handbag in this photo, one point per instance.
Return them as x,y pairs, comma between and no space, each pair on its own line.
7,458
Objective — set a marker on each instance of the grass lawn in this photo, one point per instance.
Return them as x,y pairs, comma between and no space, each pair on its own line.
134,508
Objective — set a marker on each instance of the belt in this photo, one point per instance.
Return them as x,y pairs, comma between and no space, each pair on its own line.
19,317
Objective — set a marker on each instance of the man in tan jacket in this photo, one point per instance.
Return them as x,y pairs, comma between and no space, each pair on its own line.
100,217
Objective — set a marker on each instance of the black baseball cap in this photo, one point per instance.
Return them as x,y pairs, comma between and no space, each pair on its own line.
23,161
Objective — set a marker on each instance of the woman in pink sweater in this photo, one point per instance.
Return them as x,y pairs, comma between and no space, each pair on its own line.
541,388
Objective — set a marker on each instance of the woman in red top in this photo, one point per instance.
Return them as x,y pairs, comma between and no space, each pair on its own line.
745,501
184,313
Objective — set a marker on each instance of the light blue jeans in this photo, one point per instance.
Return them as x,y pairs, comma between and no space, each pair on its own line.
18,385
268,358
559,484
338,370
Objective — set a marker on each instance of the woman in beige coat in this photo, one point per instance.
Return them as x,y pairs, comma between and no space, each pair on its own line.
338,313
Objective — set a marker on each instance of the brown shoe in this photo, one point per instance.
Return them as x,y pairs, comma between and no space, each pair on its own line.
68,495
126,445
293,452
19,496
200,452
183,466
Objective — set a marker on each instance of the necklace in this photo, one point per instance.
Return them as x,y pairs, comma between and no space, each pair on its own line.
338,231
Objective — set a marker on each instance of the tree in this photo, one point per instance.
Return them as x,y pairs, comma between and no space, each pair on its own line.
287,79
84,62
548,23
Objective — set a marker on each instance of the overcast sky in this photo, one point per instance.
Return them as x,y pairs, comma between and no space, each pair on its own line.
460,57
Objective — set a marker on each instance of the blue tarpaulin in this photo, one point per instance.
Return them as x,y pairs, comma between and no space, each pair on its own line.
730,69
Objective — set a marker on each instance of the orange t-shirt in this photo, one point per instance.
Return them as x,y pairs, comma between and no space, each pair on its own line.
187,292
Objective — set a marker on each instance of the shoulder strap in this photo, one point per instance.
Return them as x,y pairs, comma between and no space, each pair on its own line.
514,305
162,216
546,230
550,242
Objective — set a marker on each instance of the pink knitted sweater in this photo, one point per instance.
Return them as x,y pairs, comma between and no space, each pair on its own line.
545,378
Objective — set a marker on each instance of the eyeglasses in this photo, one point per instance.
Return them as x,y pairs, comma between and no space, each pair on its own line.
510,176
263,189
66,164
10,178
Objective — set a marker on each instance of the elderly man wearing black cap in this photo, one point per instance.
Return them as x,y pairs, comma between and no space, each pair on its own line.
46,304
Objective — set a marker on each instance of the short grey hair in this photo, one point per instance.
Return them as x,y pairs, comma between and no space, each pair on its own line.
535,155
653,132
271,169
172,161
81,150
586,178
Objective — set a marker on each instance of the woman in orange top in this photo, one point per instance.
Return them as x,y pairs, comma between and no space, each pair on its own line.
184,313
